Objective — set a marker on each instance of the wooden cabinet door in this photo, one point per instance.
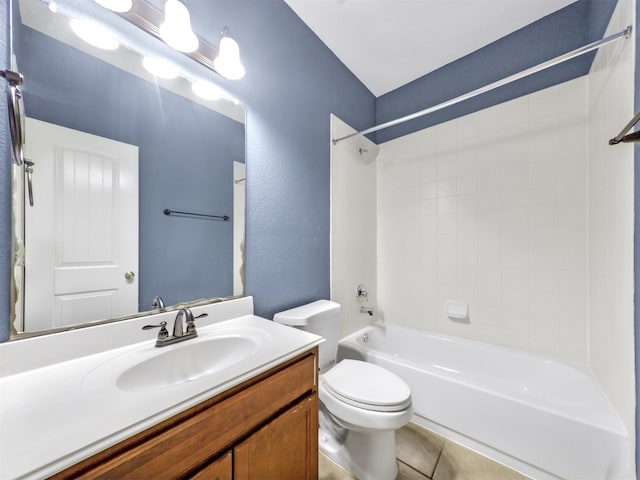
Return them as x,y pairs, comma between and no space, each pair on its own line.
220,469
284,449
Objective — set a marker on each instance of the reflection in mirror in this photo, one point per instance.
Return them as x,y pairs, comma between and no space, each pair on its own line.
113,148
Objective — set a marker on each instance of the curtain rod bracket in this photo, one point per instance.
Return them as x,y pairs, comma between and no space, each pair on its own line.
622,137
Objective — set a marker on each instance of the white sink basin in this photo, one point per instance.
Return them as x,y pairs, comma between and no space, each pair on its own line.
219,353
187,361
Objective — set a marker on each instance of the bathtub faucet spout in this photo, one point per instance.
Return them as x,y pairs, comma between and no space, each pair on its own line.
367,310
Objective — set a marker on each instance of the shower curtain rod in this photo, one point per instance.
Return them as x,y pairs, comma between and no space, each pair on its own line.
492,86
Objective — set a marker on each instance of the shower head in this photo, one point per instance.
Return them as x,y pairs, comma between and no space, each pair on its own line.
368,152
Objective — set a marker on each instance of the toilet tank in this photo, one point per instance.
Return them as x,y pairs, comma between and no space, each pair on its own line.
321,317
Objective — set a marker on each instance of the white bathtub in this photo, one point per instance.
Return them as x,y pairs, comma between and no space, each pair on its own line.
543,417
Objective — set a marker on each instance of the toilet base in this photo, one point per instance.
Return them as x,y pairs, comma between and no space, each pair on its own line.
366,456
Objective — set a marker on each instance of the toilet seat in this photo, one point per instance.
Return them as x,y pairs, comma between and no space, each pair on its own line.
367,386
387,400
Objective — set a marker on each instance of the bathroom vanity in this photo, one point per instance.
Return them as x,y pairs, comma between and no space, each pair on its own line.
239,401
265,427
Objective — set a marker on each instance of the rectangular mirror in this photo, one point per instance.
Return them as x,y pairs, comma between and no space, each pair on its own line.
114,149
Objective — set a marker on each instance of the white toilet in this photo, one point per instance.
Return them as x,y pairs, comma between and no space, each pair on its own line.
361,404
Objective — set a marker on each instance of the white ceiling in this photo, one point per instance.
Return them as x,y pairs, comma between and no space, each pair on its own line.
388,43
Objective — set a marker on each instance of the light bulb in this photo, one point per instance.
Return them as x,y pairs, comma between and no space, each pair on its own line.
206,90
227,63
94,34
119,6
160,68
176,29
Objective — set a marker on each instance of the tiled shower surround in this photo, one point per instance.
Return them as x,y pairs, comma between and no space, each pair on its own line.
490,209
524,212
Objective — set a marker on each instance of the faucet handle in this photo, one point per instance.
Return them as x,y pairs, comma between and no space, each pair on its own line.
163,333
191,324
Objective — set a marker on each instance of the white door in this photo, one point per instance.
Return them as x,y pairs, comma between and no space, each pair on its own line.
81,239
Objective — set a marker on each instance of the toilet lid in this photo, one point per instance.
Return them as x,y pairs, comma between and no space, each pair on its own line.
369,386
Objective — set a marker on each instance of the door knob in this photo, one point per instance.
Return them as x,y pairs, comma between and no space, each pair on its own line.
129,276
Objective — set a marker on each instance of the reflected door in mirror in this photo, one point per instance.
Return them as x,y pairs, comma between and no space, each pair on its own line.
82,232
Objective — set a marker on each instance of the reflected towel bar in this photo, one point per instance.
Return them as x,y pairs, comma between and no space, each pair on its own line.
622,137
168,211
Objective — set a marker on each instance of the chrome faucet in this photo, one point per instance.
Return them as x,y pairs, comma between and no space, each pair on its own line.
157,302
184,328
178,323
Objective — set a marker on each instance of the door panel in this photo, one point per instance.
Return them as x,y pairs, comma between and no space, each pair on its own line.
82,232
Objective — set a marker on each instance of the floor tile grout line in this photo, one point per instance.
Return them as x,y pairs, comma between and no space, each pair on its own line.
422,474
435,465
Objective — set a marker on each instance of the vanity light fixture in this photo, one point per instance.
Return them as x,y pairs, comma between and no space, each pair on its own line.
206,90
93,34
120,6
160,68
176,29
228,63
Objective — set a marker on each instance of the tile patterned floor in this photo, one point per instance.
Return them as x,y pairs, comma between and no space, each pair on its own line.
424,455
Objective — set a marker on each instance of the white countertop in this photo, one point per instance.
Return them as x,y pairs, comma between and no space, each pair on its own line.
54,416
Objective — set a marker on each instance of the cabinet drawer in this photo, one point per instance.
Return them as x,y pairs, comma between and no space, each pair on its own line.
186,446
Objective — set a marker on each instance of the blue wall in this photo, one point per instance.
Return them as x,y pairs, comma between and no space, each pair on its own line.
292,85
569,28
